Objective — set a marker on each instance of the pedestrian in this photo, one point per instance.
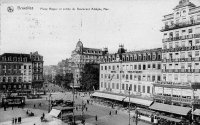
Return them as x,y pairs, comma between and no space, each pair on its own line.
116,112
19,119
96,117
110,113
86,108
43,115
13,120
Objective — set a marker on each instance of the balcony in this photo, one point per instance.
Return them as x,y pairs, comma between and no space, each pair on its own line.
179,25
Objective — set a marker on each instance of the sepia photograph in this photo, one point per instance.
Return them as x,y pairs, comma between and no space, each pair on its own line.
99,62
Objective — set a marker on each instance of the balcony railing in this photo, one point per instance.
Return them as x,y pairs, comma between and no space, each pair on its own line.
181,48
179,25
181,70
182,59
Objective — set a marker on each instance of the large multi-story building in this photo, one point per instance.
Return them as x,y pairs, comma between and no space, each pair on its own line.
180,59
21,72
135,71
82,55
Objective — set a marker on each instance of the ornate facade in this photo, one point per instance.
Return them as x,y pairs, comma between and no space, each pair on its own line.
180,56
82,55
21,72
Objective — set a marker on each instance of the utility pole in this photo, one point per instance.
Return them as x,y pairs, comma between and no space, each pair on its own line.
129,107
193,105
73,104
49,102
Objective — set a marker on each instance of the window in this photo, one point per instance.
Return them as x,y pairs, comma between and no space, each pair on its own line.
101,67
164,45
126,76
198,18
113,86
158,78
183,43
148,89
131,77
190,43
113,67
101,84
117,76
176,44
126,86
149,66
189,30
153,78
139,88
135,66
139,67
170,45
154,65
189,54
144,67
196,53
130,87
159,66
117,85
101,75
143,89
176,77
105,86
105,67
122,86
139,78
135,88
197,41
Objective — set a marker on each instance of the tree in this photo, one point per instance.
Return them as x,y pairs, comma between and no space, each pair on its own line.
68,78
90,77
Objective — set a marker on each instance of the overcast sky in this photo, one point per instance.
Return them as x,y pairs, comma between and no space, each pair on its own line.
55,32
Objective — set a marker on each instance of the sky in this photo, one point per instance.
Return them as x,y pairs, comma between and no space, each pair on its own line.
53,27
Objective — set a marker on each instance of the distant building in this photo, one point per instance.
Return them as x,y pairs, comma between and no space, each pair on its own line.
82,55
21,72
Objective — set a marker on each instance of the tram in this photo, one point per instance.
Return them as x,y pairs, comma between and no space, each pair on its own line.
146,115
16,100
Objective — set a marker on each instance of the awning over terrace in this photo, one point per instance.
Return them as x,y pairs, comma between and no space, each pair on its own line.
139,101
170,108
108,96
54,112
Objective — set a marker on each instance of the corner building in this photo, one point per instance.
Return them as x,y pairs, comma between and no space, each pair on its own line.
180,61
82,55
21,72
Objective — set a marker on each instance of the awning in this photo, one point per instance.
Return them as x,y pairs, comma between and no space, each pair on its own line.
197,112
170,108
54,112
108,96
139,101
170,119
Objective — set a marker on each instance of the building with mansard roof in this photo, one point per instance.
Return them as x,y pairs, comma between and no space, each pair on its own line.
82,55
135,71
